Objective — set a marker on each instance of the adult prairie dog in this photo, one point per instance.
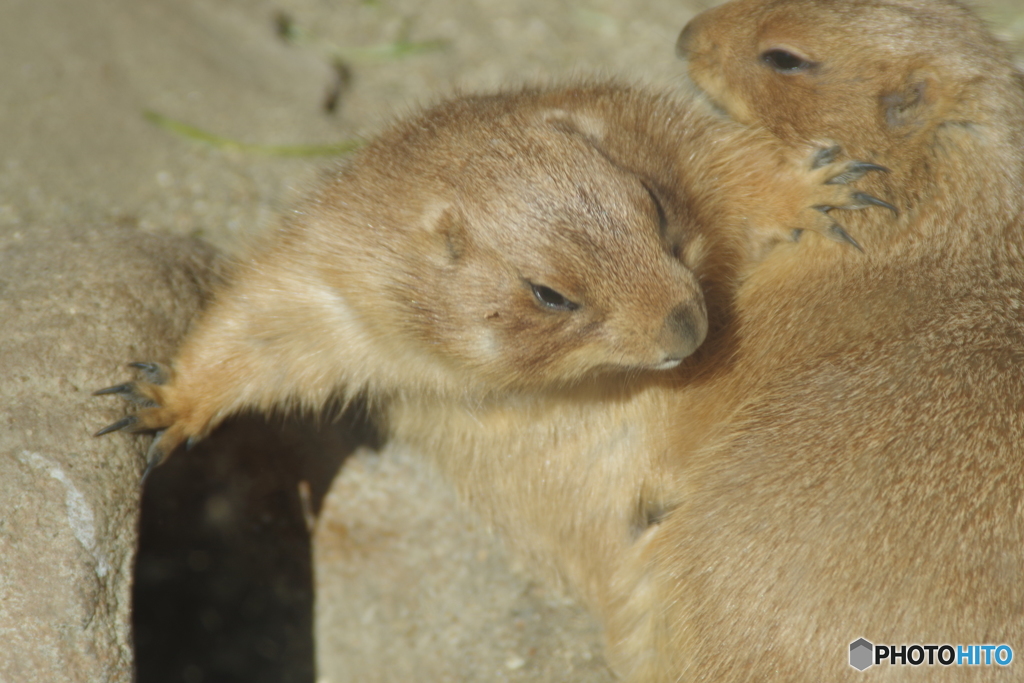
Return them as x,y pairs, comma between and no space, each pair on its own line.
856,468
509,278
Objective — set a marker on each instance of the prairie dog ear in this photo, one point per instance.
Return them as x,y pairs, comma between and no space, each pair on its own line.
591,128
447,229
915,103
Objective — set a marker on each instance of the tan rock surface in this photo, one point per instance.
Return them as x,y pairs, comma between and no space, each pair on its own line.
71,313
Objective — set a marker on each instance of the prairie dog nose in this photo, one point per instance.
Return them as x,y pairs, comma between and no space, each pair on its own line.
685,328
685,37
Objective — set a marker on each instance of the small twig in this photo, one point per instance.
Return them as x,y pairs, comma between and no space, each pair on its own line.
195,134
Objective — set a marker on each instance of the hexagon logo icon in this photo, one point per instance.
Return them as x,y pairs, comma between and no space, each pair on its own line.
861,654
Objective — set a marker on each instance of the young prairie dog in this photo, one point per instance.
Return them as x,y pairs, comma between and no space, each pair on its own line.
509,279
855,466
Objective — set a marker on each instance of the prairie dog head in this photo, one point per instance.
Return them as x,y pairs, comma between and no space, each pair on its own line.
537,260
873,75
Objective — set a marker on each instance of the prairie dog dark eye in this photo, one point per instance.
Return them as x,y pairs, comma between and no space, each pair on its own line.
785,62
662,218
549,298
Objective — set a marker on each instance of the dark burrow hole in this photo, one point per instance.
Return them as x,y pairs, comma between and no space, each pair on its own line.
223,587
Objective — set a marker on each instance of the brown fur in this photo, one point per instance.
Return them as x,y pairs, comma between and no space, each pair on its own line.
407,277
855,466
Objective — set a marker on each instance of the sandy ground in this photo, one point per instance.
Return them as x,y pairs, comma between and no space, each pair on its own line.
75,147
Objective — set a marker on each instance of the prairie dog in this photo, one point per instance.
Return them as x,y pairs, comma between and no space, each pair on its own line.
857,468
510,279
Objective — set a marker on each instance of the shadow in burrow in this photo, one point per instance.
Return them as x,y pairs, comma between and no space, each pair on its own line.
223,585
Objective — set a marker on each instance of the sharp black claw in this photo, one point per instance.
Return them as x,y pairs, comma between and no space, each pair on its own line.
155,456
865,198
855,171
120,424
837,233
153,372
866,167
119,389
128,392
151,464
825,156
